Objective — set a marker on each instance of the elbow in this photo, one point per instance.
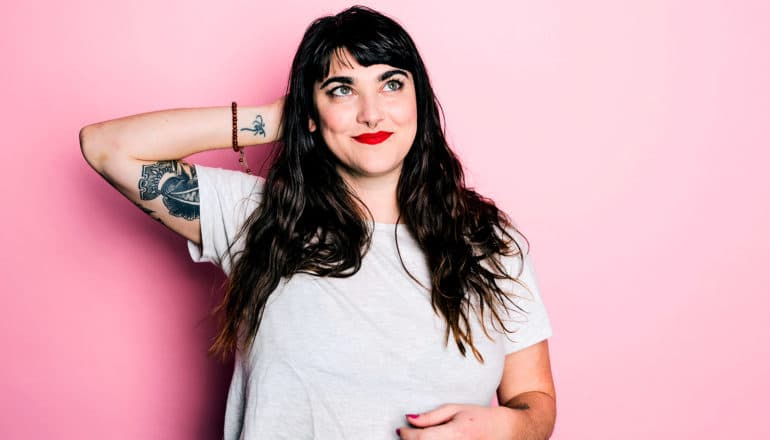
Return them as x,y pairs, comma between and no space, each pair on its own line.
86,146
90,148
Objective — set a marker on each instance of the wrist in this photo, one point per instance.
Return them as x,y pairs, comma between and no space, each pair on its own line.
259,124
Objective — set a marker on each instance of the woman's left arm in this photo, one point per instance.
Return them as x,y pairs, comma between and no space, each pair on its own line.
527,408
527,387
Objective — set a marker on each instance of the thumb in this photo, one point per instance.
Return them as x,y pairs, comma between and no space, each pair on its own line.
442,414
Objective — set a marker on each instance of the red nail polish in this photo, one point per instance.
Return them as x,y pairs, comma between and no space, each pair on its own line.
412,416
398,432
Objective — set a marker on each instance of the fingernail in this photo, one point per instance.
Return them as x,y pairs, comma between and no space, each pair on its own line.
412,416
398,432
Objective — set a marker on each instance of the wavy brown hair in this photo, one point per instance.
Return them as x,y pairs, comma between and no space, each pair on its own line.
308,221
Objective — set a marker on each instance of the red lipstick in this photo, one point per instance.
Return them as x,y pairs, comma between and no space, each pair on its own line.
373,138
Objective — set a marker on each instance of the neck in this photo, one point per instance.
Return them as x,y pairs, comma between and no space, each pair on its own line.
378,194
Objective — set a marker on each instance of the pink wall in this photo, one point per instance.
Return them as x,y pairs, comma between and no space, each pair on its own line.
630,141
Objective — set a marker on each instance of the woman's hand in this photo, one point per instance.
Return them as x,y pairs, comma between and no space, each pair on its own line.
465,422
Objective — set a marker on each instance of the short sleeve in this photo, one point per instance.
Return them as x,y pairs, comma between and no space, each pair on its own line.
529,322
227,199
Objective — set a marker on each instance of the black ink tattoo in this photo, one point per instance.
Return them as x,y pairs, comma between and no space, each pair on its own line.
150,212
179,191
259,126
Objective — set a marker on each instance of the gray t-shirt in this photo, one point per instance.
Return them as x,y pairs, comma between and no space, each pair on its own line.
347,358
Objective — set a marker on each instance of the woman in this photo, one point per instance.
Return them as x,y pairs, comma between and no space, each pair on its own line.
370,293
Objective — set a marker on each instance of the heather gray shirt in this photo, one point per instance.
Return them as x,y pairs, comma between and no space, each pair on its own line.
347,358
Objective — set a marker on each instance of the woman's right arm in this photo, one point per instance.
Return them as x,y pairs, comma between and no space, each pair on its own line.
141,155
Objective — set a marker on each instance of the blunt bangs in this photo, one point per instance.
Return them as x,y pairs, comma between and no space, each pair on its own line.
370,39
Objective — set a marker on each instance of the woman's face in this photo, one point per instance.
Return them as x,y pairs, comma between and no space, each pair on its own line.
367,117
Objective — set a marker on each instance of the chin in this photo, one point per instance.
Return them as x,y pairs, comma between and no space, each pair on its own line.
378,170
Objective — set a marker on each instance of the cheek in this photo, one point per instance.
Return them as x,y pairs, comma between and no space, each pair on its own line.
336,119
405,113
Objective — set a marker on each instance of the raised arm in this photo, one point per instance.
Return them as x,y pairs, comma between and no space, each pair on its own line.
141,155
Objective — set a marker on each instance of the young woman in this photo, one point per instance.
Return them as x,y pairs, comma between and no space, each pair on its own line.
371,294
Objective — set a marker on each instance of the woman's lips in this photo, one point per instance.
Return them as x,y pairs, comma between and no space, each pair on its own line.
373,138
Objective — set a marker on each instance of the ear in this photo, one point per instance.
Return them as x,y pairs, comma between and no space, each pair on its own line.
311,124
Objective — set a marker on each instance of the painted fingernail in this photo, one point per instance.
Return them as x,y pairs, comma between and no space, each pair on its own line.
398,432
412,416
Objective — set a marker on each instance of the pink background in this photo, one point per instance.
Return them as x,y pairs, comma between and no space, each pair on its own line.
628,139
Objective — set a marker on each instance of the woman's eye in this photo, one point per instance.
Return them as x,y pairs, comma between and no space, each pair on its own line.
341,91
393,85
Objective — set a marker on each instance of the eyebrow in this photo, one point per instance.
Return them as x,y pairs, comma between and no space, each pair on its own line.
349,80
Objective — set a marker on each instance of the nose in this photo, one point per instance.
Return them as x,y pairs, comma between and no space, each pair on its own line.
369,111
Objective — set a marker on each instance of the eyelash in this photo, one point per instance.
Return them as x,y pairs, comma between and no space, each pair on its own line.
331,92
397,81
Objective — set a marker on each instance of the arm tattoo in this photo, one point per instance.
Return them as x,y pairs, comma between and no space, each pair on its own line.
259,126
179,191
150,212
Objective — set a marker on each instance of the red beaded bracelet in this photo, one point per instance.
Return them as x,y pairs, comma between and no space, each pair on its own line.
236,148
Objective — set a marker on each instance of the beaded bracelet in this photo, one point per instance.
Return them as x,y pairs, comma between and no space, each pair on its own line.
236,148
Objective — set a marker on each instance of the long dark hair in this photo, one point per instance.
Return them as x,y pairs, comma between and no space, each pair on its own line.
308,222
